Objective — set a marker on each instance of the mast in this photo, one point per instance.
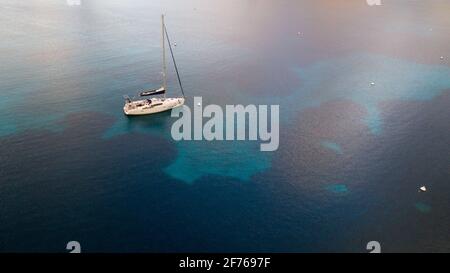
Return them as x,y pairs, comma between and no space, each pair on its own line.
173,59
164,54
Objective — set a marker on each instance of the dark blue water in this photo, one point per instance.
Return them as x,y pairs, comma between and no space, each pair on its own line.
351,158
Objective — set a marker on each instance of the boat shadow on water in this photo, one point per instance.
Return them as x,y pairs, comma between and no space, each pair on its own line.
159,120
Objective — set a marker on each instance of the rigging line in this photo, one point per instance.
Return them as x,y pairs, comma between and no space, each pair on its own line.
173,58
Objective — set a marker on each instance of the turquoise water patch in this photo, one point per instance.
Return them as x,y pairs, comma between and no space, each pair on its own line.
7,128
332,146
157,124
350,78
237,159
337,188
373,119
422,207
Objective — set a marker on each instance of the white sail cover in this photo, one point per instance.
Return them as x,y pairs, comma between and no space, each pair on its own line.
153,92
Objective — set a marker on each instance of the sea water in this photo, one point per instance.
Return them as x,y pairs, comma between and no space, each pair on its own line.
351,154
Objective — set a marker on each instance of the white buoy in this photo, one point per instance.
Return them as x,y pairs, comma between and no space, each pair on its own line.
442,57
423,189
372,83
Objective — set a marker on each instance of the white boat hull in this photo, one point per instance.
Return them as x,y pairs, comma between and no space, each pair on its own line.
153,106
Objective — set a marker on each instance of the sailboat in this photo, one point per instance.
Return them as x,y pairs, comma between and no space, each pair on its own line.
144,106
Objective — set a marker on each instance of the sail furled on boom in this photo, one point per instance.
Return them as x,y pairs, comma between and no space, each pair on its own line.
153,92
